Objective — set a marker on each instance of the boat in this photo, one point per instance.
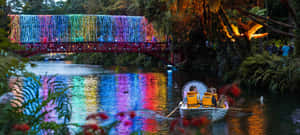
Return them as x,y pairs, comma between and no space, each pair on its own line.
212,113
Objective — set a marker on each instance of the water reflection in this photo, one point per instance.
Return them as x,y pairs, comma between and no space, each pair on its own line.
79,112
235,126
257,122
113,93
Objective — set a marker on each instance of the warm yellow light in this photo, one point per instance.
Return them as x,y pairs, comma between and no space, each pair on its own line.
253,30
259,35
235,30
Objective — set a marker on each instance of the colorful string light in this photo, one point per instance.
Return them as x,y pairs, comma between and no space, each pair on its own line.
81,28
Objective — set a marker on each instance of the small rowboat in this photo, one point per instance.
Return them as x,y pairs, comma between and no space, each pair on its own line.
212,113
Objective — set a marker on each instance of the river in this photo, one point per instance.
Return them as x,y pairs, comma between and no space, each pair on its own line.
155,94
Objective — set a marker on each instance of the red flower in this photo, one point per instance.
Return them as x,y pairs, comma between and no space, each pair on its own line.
132,114
221,91
127,123
102,131
121,114
91,126
199,121
235,90
173,124
196,122
94,126
103,116
230,100
185,122
87,133
92,116
21,127
181,130
203,120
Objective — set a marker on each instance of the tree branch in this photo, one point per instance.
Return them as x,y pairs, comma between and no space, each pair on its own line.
271,28
265,18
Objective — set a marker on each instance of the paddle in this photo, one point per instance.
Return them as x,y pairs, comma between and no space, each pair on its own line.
240,109
174,110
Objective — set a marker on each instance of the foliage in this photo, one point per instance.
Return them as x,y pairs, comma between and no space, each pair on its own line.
10,64
110,59
297,42
258,11
278,74
25,113
35,107
189,126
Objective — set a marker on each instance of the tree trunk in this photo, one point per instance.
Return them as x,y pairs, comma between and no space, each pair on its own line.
297,42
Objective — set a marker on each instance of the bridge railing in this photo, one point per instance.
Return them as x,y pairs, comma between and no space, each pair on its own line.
96,47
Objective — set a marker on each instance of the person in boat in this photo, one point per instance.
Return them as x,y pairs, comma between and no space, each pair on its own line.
222,102
193,98
215,95
209,99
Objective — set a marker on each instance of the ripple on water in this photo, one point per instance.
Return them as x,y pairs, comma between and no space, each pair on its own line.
61,68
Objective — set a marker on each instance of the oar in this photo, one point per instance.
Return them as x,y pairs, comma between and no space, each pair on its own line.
240,109
174,110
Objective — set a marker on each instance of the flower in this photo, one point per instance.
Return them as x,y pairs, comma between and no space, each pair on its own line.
121,114
127,123
203,120
173,124
235,90
230,100
103,116
199,121
185,122
132,114
87,133
91,126
21,127
195,122
92,116
181,130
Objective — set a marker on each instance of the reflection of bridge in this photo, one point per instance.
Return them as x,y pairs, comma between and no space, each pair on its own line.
87,33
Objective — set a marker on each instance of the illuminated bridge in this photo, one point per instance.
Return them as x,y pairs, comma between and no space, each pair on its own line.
87,33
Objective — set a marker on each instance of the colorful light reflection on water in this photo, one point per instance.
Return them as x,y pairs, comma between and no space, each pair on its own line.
113,93
154,91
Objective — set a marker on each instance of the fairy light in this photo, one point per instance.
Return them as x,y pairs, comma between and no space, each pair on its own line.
81,28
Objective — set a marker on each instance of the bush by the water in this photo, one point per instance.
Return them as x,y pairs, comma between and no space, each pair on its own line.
270,72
